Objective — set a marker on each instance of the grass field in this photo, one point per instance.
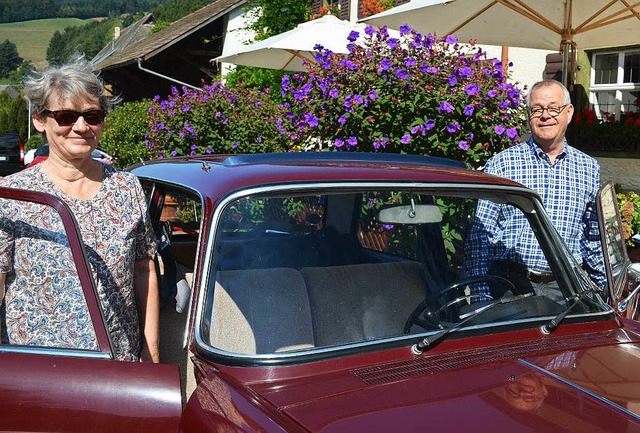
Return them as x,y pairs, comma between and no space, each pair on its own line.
32,37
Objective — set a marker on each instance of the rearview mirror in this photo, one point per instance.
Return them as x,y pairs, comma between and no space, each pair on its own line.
410,214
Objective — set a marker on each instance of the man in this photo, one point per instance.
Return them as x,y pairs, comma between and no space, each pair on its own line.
566,179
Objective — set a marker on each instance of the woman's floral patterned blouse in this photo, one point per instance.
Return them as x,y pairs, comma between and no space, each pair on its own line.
44,304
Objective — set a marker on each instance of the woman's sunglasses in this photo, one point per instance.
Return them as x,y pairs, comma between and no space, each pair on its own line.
69,117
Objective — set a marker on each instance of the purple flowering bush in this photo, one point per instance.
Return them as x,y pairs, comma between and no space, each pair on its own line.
413,94
214,120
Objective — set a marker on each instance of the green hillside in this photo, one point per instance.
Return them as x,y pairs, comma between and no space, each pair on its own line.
32,37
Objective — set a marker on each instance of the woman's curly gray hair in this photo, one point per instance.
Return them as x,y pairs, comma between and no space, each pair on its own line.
67,82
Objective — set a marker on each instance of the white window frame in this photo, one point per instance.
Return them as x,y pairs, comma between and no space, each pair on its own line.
618,87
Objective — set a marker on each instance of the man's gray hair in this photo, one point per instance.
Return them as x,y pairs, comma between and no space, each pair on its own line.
67,82
566,97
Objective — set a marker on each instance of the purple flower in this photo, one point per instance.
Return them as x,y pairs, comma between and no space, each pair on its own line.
392,43
432,70
472,89
512,133
453,127
369,30
385,65
334,93
405,139
452,80
353,36
429,124
234,144
352,141
405,29
311,120
358,99
259,139
373,95
468,110
348,64
174,153
402,74
450,39
186,108
208,150
339,142
492,93
465,72
463,145
499,129
410,62
445,107
416,129
342,119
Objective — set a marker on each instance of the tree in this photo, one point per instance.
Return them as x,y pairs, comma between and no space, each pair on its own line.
124,133
88,39
13,114
9,58
269,18
17,76
176,9
272,17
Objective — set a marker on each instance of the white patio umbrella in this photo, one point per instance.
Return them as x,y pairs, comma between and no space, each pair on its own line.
286,51
542,24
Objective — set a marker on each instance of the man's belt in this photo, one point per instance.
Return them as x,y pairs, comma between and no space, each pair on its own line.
533,276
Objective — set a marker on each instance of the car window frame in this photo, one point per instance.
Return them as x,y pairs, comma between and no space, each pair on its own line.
523,199
89,289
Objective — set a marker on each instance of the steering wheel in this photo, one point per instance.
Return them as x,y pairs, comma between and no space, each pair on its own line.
431,320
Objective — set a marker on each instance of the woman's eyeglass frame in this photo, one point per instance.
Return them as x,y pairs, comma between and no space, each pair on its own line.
70,117
553,111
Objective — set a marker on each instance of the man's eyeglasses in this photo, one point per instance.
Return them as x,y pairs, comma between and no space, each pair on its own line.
69,117
552,110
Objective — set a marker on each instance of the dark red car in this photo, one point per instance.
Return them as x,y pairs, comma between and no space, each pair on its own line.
329,292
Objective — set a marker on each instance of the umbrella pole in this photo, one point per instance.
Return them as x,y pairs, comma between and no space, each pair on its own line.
567,64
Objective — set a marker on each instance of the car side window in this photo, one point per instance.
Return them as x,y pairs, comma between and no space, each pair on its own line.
44,303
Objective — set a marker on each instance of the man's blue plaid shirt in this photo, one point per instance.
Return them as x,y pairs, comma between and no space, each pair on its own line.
568,190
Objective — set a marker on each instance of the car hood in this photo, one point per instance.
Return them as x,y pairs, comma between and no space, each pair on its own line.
589,390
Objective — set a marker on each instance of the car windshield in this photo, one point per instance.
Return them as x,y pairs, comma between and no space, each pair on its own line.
297,272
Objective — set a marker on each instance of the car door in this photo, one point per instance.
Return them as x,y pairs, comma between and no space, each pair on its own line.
623,280
68,389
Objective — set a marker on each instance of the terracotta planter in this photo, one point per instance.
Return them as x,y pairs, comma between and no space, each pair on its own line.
169,209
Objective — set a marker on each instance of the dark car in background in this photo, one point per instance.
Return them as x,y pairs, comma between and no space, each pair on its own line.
11,153
42,153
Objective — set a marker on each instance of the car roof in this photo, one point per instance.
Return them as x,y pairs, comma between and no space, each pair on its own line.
216,175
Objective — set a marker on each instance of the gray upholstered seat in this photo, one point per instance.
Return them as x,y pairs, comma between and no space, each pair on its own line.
362,302
257,311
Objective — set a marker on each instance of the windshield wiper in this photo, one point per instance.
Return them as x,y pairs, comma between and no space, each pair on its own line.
420,347
554,323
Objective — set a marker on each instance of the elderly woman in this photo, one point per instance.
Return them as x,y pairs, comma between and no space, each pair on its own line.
69,107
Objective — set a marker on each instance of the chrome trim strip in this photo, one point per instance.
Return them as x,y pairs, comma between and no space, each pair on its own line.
581,389
316,187
54,351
